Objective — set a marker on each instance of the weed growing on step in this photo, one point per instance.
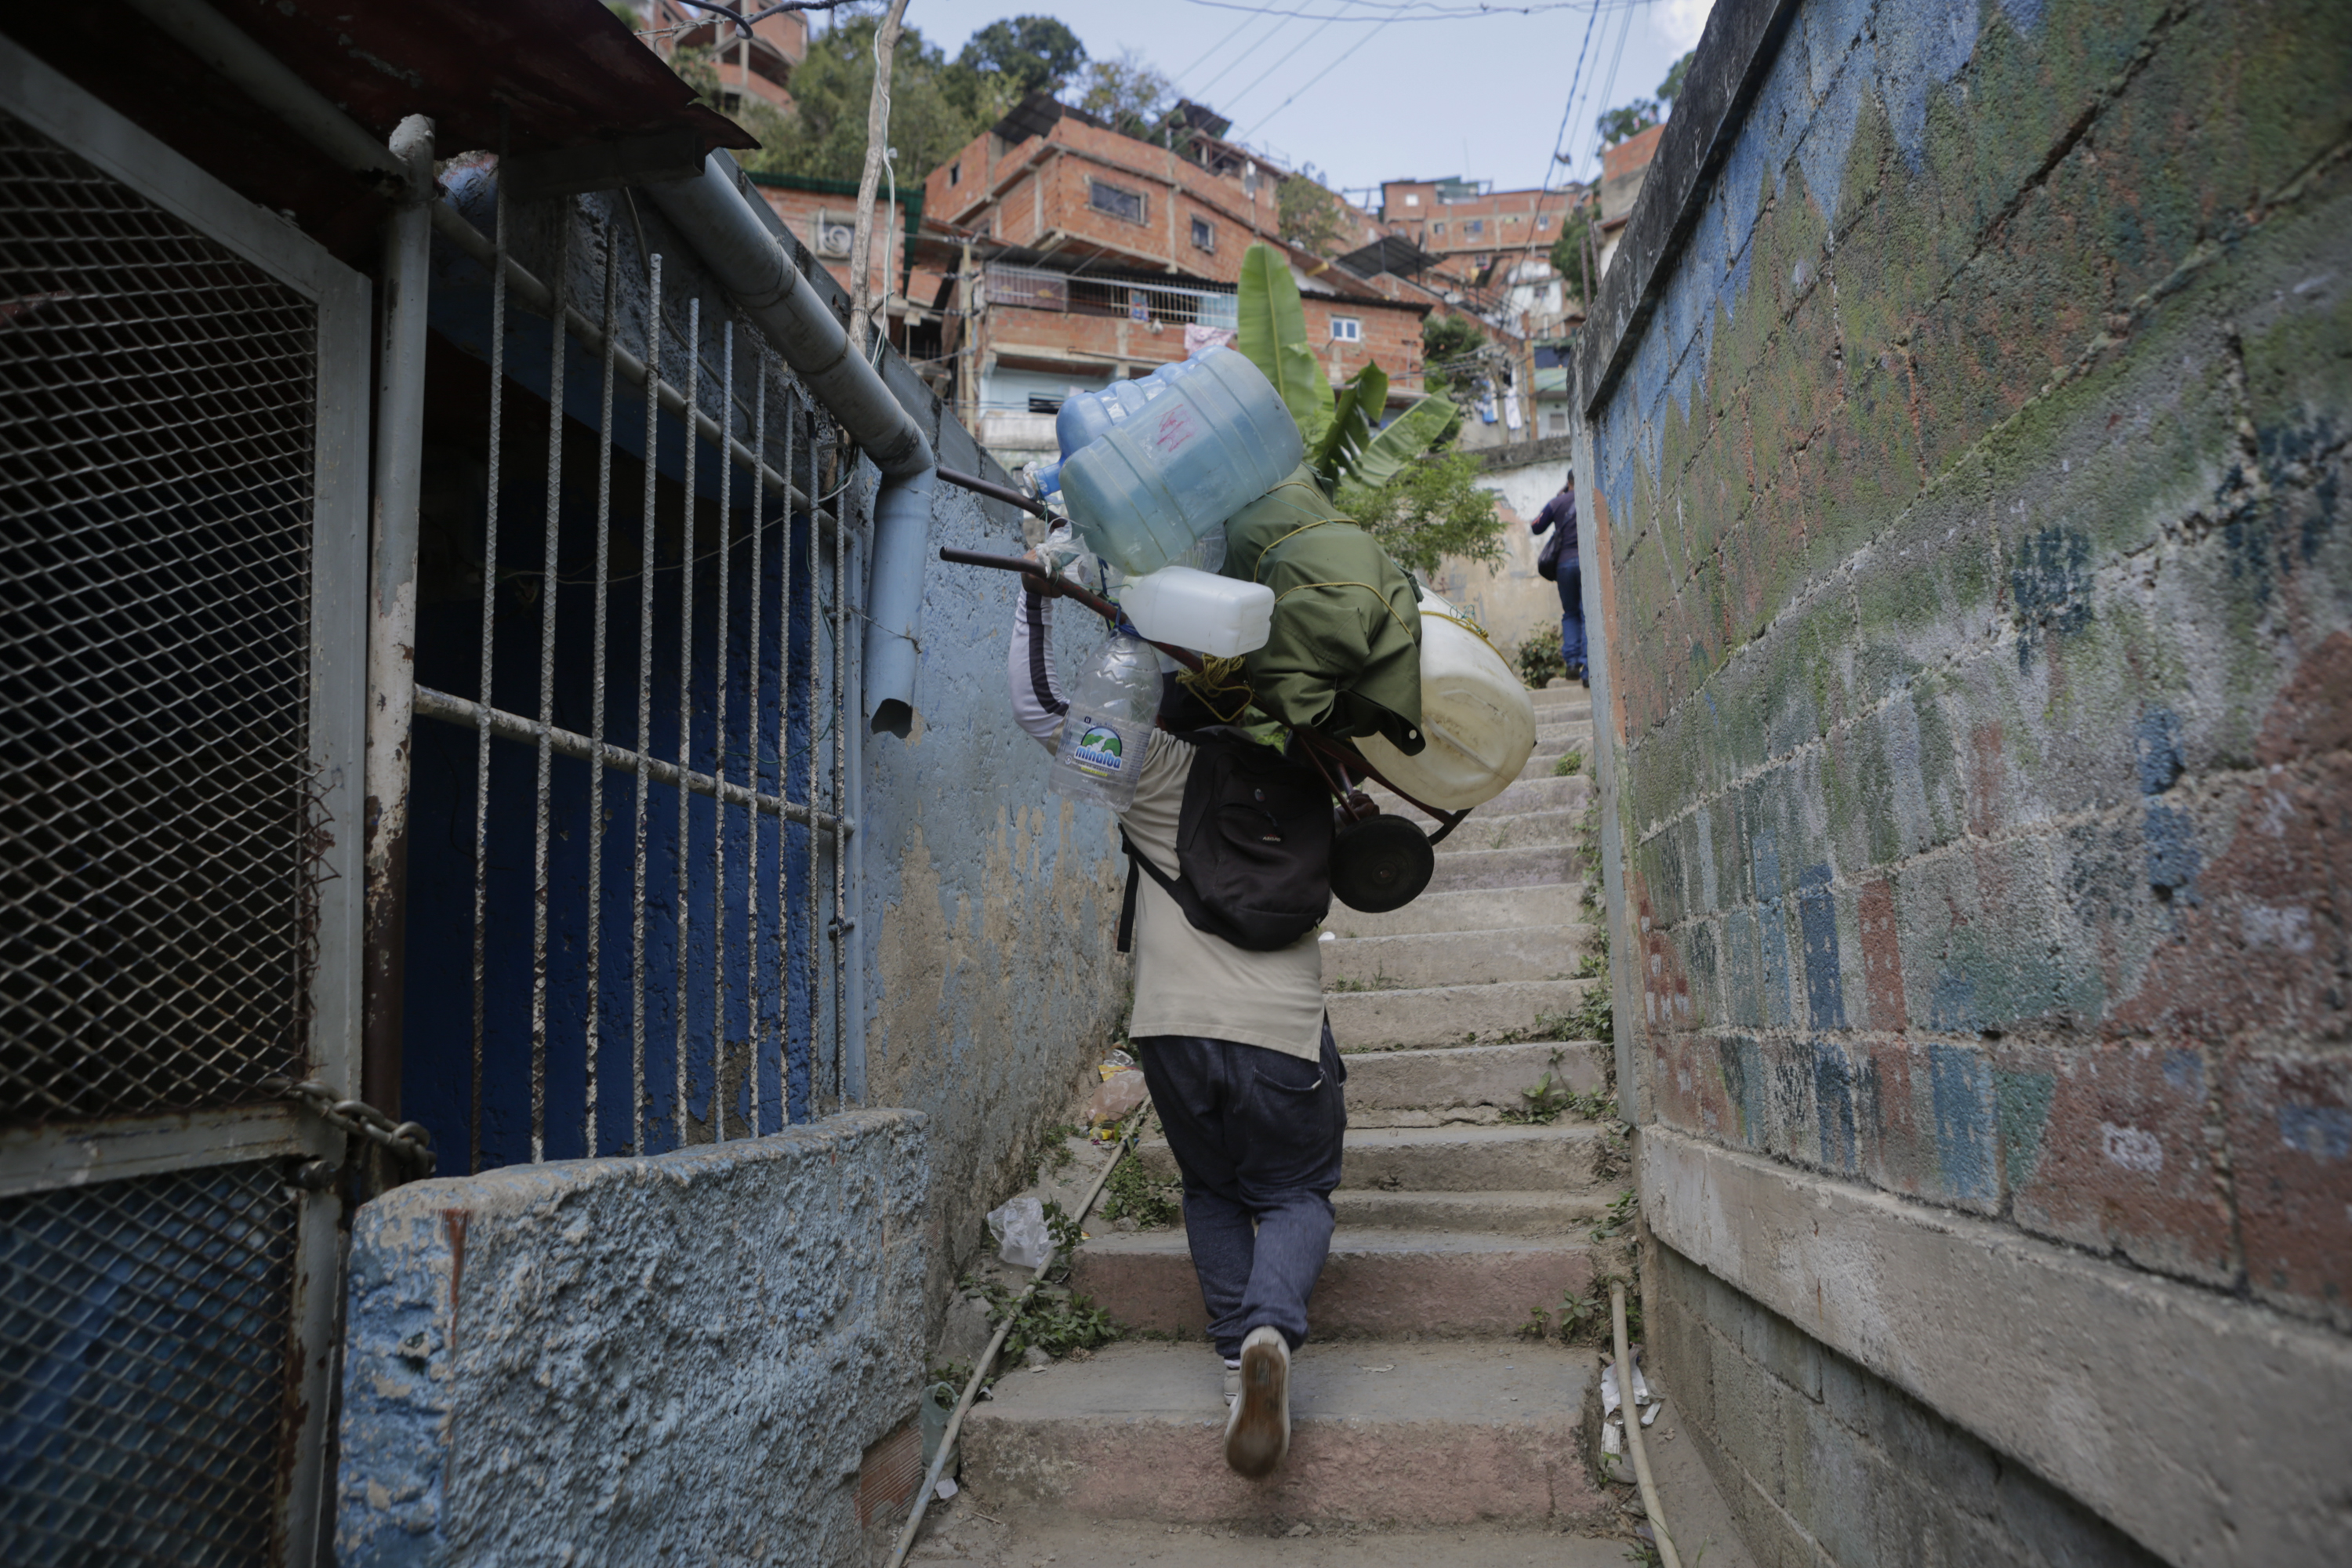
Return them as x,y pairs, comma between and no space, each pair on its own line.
1619,1218
1054,1153
1568,765
1538,1326
1545,1103
1132,1193
1057,1322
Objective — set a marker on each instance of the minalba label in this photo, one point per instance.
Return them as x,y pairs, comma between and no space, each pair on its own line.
1100,752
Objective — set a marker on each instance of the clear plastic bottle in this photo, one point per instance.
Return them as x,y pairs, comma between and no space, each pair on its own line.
1108,726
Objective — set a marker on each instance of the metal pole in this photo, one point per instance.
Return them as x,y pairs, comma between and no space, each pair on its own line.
543,809
391,607
719,759
596,1008
647,542
489,697
751,747
686,718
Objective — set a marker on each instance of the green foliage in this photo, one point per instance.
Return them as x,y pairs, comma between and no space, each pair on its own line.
1132,1193
1676,74
1430,511
1125,94
1066,1232
1568,252
934,106
1538,659
1028,54
1310,216
1548,1100
1447,344
1378,467
1539,1323
1272,333
1057,1322
1621,1216
1567,765
1626,119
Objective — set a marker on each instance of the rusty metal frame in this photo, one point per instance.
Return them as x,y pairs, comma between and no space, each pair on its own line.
58,1156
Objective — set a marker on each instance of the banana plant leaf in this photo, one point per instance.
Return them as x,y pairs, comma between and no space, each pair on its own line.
1408,435
1273,335
1355,414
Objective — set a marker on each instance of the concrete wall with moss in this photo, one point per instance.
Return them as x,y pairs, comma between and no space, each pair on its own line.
1964,486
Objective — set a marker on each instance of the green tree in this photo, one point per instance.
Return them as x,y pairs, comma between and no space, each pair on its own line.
1568,252
1310,216
1031,54
1430,510
1626,119
1125,94
824,136
1449,346
1672,88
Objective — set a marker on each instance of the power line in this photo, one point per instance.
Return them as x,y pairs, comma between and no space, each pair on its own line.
1212,51
1430,10
1319,76
1279,62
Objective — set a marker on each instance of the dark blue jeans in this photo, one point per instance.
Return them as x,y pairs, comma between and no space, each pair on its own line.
1257,1135
1571,617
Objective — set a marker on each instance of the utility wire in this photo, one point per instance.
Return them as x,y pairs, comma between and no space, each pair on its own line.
1319,76
1427,10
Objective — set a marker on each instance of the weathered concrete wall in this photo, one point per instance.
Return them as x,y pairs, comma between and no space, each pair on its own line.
1963,483
680,1357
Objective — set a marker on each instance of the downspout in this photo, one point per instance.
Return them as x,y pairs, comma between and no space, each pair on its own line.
712,213
392,612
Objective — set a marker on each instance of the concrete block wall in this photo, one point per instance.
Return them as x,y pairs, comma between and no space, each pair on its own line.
1963,482
635,1361
1822,1459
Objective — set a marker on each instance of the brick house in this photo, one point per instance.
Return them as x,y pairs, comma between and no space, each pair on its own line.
1085,255
758,65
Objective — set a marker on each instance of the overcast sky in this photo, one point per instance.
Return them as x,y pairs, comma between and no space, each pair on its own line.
1383,91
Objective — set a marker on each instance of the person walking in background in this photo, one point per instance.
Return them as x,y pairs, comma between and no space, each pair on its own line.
1558,560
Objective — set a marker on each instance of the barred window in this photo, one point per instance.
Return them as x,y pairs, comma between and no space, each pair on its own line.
1116,200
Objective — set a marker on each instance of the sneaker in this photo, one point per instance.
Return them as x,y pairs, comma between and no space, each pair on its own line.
1233,1382
1258,1429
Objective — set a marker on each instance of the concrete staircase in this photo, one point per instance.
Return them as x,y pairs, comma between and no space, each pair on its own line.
1415,1405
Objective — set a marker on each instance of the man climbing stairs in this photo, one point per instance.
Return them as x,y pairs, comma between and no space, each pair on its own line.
1417,1402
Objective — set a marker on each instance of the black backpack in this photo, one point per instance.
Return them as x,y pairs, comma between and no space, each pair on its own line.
1253,846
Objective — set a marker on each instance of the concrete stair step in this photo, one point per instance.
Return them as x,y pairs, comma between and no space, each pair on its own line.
1514,830
1470,1075
1434,1015
1559,707
1476,868
1511,1159
1545,793
1440,1434
1446,1283
1502,908
1498,1214
1574,730
1457,958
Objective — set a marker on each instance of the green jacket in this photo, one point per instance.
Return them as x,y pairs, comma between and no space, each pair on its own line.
1345,655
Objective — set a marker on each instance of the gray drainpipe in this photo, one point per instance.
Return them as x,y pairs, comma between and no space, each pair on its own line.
714,213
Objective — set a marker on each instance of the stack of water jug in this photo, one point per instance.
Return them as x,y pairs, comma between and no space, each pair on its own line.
1149,471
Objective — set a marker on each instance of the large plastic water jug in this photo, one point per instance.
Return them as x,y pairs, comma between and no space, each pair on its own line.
1092,414
1479,719
1108,727
1200,610
1155,489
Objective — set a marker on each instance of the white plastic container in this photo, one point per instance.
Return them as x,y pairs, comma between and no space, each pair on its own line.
1200,610
1477,716
1155,489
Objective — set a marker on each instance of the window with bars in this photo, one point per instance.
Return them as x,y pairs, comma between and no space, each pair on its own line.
1116,200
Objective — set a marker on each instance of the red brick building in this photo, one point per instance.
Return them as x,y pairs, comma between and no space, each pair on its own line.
1085,256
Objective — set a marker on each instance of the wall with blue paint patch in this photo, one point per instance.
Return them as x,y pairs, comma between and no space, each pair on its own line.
1969,511
989,985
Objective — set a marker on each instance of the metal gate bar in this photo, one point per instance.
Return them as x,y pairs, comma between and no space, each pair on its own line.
734,869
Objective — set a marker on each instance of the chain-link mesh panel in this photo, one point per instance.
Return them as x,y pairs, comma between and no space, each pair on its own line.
155,474
143,1339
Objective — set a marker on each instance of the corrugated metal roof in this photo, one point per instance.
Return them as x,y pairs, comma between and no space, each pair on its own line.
567,72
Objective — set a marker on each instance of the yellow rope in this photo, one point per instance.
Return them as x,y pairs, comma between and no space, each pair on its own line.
1219,677
1468,625
1408,629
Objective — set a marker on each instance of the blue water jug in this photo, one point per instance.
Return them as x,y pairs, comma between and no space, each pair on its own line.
1153,486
